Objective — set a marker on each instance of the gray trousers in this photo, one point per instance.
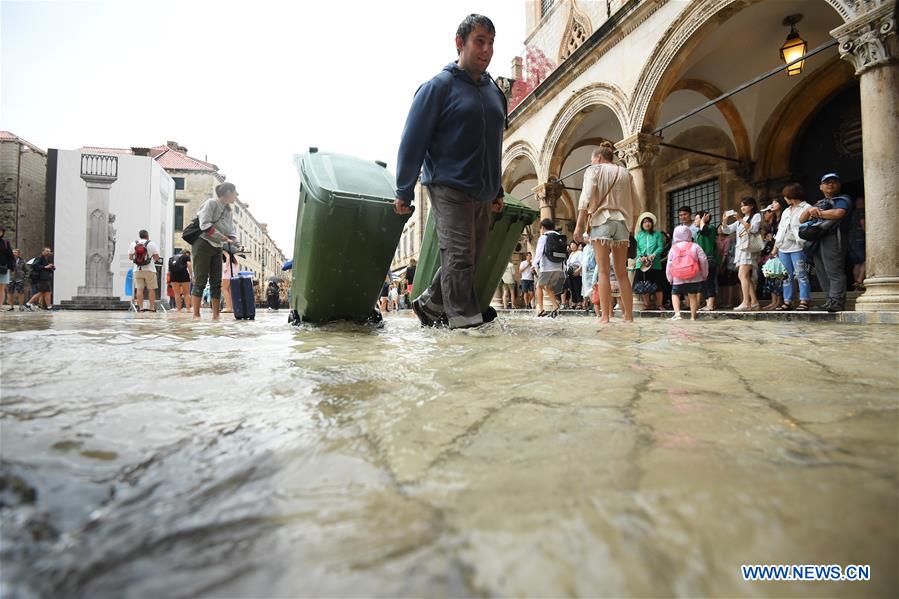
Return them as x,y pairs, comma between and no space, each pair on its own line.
462,226
207,261
830,265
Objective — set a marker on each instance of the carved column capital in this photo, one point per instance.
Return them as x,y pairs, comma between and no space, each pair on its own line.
869,41
548,193
638,150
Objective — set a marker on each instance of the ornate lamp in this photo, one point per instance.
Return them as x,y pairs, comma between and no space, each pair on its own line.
794,47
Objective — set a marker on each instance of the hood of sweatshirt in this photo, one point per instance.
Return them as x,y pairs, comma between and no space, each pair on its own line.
455,71
681,233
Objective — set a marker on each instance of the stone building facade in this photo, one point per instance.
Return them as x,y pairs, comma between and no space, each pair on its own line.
626,70
23,193
195,182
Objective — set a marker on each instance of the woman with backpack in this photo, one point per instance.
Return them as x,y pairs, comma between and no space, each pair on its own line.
686,270
749,246
181,273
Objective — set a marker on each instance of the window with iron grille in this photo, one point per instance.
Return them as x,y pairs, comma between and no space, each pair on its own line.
545,5
702,196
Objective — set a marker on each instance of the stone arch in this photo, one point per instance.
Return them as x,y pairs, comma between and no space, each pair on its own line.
775,142
603,94
684,35
517,151
727,110
513,157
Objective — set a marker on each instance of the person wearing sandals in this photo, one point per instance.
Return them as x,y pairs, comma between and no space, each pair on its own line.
687,269
749,246
770,284
648,280
788,248
551,274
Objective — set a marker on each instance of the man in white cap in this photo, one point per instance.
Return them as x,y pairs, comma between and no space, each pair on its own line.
829,254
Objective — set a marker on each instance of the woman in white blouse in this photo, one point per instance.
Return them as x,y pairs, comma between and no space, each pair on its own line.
788,247
749,246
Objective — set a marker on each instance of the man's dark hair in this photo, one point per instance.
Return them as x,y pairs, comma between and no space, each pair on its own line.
472,21
222,188
685,209
143,234
548,224
794,191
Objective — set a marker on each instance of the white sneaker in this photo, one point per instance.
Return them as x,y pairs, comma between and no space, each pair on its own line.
29,307
676,317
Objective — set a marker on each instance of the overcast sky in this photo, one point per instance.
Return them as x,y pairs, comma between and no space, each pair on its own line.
245,85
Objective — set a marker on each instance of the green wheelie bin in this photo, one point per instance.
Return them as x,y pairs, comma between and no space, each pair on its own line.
505,231
346,236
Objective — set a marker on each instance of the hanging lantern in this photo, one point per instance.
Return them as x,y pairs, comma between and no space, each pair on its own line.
794,47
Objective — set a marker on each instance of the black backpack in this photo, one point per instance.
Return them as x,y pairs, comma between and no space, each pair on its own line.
556,248
176,265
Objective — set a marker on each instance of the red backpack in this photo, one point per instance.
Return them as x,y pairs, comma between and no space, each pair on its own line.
141,256
684,263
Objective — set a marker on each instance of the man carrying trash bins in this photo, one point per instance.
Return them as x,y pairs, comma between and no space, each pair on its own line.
455,128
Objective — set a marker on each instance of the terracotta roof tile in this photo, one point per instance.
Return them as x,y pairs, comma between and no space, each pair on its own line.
168,158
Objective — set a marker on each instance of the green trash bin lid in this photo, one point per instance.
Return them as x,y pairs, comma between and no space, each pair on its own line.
331,176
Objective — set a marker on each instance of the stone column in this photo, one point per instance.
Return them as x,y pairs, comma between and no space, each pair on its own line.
98,173
869,43
548,195
637,153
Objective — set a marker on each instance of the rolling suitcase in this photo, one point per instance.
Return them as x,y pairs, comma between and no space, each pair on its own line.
242,295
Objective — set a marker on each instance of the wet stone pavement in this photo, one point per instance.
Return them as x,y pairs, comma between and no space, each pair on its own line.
147,455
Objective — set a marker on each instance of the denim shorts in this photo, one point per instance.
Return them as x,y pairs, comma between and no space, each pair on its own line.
611,230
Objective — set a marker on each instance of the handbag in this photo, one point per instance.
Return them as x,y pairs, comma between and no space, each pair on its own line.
192,231
750,242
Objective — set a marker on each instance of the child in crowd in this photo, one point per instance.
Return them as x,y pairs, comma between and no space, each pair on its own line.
687,269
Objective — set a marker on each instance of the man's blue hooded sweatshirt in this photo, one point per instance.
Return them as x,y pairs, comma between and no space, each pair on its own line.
455,127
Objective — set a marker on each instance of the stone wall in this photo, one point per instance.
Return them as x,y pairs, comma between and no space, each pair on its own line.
23,196
198,187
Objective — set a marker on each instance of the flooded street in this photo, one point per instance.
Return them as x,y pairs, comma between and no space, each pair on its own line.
152,456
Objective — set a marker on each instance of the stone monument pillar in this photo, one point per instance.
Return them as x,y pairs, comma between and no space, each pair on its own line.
99,173
869,43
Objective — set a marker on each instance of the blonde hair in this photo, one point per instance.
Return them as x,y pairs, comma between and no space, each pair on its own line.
606,150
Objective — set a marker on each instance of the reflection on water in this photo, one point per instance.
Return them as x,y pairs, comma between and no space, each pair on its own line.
151,456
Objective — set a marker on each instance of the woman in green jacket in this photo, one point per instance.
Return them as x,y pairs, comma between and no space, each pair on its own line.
649,279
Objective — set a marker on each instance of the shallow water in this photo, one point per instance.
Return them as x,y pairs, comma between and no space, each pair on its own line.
151,456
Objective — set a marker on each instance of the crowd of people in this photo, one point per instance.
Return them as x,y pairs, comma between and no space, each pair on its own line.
754,253
28,283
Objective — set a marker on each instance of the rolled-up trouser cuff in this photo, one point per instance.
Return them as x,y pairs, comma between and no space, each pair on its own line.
458,322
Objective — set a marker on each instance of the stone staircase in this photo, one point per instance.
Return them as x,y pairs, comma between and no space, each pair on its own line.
95,304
